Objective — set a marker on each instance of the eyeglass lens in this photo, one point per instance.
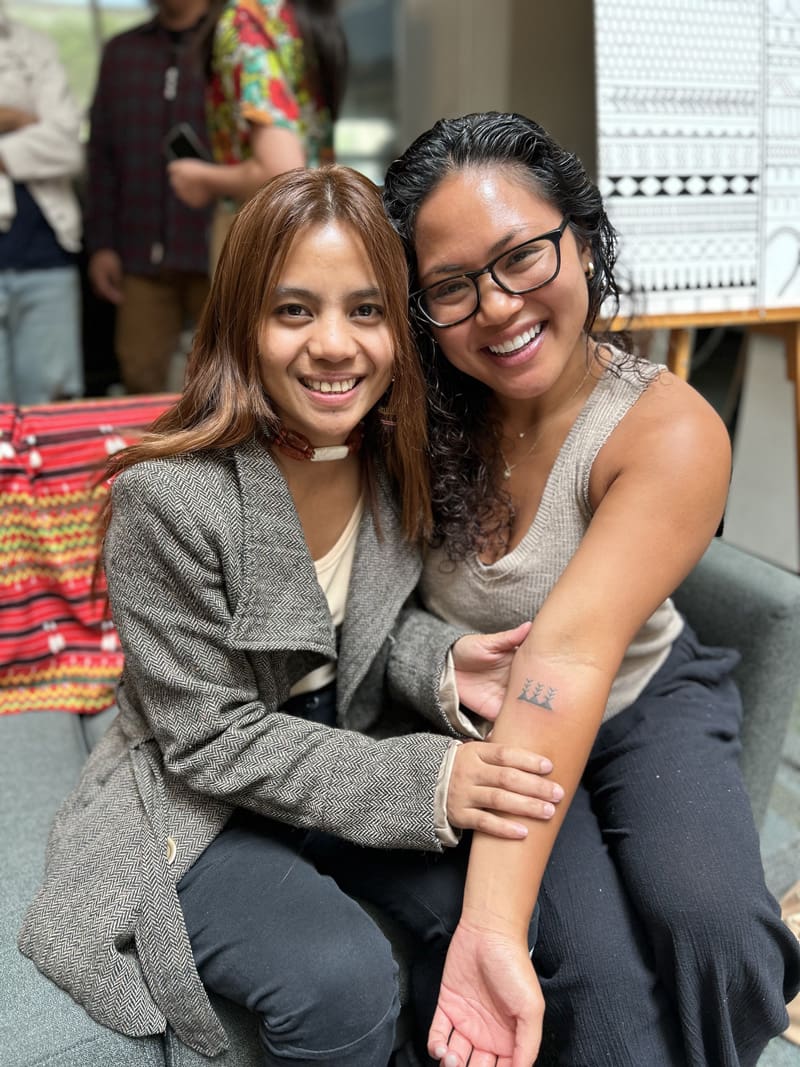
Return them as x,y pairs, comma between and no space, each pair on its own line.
526,267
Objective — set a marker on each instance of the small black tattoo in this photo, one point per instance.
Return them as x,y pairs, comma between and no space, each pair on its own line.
539,695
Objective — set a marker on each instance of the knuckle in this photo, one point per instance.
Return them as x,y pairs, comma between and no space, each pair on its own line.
509,779
502,755
482,821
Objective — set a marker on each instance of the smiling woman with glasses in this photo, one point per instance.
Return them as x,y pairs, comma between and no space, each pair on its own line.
575,485
520,269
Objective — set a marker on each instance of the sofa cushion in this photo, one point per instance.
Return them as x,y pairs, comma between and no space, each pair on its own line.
58,649
733,598
244,1048
40,759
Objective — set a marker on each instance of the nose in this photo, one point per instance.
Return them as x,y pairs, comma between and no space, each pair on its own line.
332,339
496,305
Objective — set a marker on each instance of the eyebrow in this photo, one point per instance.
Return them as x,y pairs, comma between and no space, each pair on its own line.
458,268
284,292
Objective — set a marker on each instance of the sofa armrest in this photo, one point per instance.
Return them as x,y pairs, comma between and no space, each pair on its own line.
735,599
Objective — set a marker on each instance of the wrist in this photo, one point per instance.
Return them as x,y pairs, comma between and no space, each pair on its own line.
484,921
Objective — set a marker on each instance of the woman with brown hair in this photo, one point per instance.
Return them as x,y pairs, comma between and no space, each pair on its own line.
270,759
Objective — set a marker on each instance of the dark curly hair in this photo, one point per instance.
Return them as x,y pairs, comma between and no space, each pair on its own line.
470,512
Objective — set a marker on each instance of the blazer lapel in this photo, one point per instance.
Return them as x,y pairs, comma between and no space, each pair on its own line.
282,605
385,572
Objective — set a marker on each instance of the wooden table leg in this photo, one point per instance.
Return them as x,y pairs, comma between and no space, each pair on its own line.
679,354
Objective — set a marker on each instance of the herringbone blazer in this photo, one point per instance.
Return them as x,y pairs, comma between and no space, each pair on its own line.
219,611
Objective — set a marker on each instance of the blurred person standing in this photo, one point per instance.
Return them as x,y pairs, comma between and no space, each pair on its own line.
40,155
276,78
148,251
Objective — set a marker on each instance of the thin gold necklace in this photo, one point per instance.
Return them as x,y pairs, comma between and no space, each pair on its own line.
509,467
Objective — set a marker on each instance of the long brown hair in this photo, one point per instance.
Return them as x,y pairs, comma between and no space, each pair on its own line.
326,48
224,402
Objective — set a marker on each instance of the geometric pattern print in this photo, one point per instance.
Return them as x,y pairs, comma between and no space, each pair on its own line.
682,127
780,251
58,648
680,184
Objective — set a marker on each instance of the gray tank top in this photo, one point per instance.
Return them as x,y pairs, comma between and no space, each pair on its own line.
499,595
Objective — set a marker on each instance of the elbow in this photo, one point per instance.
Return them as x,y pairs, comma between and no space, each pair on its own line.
196,768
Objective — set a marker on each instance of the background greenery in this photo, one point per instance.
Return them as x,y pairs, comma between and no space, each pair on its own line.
78,32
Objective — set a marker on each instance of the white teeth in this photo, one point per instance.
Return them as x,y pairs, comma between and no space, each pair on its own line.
516,342
319,386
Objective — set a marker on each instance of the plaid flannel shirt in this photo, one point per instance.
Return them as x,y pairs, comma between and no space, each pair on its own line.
149,80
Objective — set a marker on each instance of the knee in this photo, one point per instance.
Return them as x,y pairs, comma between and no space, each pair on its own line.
357,977
727,929
344,1004
708,915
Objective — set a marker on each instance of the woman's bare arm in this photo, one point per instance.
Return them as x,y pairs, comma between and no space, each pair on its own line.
274,151
658,489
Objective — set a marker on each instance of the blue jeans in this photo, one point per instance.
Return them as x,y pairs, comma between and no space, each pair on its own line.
40,343
274,926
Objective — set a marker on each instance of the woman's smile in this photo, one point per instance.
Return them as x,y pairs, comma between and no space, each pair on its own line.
518,344
515,344
326,348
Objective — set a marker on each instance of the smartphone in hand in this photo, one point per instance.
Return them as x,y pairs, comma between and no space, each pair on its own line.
183,143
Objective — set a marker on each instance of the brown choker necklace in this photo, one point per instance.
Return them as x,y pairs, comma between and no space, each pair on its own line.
298,446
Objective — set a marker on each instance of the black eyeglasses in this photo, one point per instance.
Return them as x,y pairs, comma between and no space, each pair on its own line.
520,269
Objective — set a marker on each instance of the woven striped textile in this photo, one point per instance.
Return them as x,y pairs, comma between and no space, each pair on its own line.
58,649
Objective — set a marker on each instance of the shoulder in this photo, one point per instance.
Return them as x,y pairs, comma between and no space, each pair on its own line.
130,38
671,433
183,474
195,489
22,37
268,23
244,13
673,413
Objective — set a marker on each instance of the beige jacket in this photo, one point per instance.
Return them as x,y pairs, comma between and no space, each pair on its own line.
46,155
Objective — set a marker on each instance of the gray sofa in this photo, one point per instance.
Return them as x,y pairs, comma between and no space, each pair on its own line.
731,598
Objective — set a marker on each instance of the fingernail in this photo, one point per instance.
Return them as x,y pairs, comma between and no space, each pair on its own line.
546,766
548,809
558,792
439,1051
521,831
450,1060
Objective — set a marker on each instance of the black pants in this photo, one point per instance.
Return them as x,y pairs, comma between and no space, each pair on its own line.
273,926
659,943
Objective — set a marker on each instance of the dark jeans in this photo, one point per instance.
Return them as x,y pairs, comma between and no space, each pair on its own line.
273,926
659,943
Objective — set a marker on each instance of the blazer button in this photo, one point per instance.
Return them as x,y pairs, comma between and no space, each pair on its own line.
172,850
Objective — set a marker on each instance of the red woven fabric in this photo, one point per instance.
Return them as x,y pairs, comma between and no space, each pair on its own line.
58,648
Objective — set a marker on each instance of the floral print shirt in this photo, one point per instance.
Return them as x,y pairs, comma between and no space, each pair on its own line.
260,76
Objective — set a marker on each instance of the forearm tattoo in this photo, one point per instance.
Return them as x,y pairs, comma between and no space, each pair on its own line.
538,694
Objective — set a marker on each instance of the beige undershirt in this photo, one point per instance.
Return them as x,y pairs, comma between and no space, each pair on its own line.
333,574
